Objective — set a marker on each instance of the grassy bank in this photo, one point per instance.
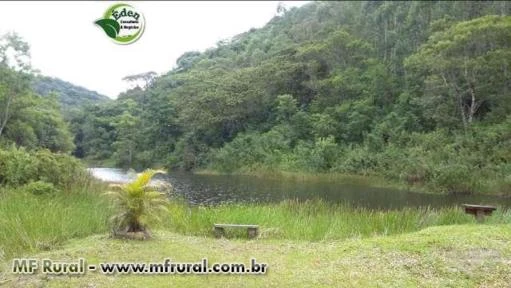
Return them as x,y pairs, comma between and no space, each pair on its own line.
447,256
316,220
45,199
29,223
305,244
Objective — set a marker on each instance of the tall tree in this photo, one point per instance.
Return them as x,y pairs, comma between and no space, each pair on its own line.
467,67
14,75
142,80
126,126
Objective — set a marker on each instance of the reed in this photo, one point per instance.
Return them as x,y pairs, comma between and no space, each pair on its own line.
316,220
30,223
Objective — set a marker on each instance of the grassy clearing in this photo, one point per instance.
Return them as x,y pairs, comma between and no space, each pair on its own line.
448,256
316,220
30,223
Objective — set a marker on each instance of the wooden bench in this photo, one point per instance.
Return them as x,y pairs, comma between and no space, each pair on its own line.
219,229
479,211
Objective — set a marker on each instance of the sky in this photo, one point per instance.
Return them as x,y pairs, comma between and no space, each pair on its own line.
65,42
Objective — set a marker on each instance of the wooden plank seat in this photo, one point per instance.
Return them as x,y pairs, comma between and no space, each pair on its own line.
479,211
252,230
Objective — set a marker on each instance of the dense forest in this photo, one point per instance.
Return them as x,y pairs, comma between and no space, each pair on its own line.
70,96
415,92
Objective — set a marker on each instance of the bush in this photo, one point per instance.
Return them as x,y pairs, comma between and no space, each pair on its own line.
357,160
19,166
40,188
317,157
455,178
252,149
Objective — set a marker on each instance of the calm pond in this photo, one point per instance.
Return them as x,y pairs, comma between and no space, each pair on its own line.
215,189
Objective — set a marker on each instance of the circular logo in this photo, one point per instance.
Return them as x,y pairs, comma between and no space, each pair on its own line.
122,23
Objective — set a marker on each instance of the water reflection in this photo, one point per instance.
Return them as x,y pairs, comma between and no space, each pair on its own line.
215,189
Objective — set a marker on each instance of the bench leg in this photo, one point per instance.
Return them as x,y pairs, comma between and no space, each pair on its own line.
252,232
219,232
480,216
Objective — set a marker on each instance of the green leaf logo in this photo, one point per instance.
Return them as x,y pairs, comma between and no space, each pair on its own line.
122,23
110,26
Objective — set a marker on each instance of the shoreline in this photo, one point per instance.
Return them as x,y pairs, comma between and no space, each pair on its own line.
362,180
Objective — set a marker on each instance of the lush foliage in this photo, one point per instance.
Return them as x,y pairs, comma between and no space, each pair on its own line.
136,204
417,92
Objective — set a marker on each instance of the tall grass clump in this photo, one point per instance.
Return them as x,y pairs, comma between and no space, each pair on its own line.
45,199
316,220
40,222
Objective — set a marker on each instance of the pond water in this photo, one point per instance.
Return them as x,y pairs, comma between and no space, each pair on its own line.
215,189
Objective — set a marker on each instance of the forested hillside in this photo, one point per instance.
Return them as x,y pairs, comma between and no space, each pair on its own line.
69,95
416,92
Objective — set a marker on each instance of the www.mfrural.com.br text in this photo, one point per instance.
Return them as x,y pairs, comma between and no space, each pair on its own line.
165,267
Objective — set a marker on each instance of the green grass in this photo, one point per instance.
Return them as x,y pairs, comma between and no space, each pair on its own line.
305,244
468,255
29,223
316,220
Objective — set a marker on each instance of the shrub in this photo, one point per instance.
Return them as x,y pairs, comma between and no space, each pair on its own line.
40,188
19,166
317,157
455,178
357,160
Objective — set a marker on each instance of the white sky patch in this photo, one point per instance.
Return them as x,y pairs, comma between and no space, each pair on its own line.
65,42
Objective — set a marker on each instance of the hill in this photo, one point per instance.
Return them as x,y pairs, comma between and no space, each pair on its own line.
69,95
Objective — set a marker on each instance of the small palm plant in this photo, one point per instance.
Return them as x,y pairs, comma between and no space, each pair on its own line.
136,203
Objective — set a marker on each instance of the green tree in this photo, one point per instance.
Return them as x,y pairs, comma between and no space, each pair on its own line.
465,70
126,126
39,123
14,76
142,80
